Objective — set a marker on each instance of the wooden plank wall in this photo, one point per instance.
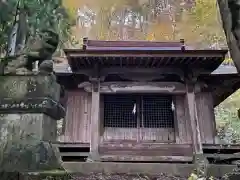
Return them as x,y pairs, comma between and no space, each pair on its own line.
139,134
182,126
205,112
78,117
78,120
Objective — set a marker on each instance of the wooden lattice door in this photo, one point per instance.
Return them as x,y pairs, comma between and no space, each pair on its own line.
157,118
120,122
138,118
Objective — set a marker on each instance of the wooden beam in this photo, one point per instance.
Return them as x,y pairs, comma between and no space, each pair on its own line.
223,157
78,154
129,158
146,53
123,70
105,71
99,43
137,87
157,71
119,148
71,145
235,147
95,120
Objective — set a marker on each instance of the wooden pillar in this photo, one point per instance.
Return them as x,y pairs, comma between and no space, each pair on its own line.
199,160
95,120
196,136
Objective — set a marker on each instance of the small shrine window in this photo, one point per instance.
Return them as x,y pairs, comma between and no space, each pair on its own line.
157,111
138,111
118,111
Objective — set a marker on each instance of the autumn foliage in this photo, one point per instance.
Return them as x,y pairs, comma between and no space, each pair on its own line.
198,21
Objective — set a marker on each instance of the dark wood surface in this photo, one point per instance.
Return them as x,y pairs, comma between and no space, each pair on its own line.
99,43
145,149
151,152
205,146
95,118
153,158
194,121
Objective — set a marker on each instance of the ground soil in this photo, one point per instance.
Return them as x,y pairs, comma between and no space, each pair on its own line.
100,176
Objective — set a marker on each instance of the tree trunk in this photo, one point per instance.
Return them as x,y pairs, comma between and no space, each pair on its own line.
226,16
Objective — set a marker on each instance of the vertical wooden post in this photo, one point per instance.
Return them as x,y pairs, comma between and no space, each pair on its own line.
196,136
95,120
199,160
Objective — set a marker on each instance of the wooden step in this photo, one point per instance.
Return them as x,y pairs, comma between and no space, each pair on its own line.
82,154
223,157
222,147
130,158
71,145
146,150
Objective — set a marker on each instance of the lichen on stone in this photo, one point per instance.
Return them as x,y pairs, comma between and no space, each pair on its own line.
16,88
22,144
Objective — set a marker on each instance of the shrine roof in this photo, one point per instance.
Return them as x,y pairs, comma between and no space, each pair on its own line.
142,54
222,85
201,59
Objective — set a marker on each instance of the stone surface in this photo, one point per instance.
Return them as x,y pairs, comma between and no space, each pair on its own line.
31,86
176,169
31,94
29,110
200,165
40,49
25,141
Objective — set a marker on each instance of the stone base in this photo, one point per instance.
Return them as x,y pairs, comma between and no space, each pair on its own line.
29,110
143,168
201,165
34,157
25,143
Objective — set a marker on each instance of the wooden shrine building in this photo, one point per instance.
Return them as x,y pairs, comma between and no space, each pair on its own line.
143,101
